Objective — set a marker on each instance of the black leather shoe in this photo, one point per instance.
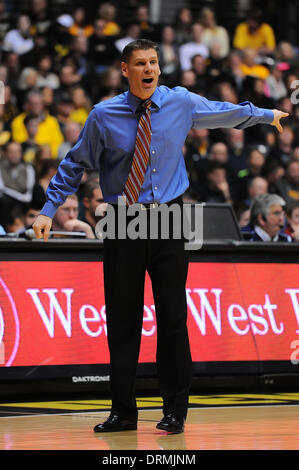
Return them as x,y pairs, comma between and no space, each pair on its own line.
115,424
171,423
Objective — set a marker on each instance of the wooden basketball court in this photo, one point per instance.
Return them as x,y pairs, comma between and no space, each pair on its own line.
215,422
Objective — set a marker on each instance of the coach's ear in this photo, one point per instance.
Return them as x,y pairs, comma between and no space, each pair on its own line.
124,69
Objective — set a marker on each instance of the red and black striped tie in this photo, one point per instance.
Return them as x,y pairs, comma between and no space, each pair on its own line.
141,156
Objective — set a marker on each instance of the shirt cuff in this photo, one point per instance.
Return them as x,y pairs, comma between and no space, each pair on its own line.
48,209
268,116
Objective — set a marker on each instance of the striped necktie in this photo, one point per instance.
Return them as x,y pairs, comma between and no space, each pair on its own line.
141,156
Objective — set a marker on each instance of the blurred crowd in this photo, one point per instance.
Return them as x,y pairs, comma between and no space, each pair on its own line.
55,68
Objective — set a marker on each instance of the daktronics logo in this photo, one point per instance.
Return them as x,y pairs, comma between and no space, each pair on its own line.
9,326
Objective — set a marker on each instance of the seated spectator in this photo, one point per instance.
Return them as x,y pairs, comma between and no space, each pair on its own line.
255,34
254,167
288,185
32,211
27,83
199,67
5,20
257,185
232,69
283,148
267,219
45,170
235,141
242,213
285,52
198,143
275,82
63,109
81,105
188,80
80,27
295,154
182,25
190,49
219,153
71,135
48,128
4,127
111,83
79,55
255,90
227,92
213,33
292,216
107,12
10,107
132,33
48,99
272,172
66,218
14,221
93,202
68,78
12,63
168,55
216,187
147,29
30,147
102,51
45,75
19,40
59,36
40,16
285,104
16,177
249,66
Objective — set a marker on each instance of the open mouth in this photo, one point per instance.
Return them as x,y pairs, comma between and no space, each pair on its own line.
147,80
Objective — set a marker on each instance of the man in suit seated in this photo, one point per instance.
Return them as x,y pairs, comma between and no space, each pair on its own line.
266,220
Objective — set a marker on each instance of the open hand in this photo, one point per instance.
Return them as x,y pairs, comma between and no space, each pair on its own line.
277,117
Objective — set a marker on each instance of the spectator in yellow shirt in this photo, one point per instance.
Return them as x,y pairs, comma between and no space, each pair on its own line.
81,105
250,68
107,12
48,129
255,34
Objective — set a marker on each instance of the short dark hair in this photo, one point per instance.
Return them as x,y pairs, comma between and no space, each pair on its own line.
136,45
89,187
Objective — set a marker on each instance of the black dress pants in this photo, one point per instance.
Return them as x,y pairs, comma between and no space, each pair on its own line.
125,264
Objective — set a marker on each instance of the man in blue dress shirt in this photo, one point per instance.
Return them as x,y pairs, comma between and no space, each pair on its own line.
107,144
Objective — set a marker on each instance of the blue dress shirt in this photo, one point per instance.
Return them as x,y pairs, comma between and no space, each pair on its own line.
107,142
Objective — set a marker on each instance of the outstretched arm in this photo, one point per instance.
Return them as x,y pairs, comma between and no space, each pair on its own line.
216,114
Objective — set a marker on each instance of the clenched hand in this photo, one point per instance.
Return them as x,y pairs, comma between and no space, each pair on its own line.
42,226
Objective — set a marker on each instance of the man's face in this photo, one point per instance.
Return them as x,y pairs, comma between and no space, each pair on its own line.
30,217
293,173
294,218
67,211
14,153
35,105
274,220
142,71
94,202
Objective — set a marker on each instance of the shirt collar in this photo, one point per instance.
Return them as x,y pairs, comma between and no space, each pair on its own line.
264,235
134,102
